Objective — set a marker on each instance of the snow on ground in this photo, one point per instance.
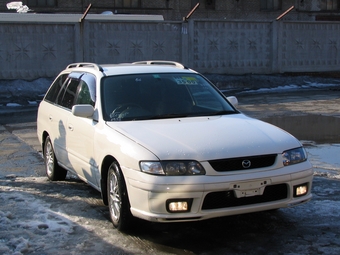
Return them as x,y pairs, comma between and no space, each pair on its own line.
36,220
39,217
307,85
325,160
31,226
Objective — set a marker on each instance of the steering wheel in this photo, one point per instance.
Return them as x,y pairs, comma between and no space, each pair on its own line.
121,108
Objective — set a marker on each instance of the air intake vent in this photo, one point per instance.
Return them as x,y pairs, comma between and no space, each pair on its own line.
227,199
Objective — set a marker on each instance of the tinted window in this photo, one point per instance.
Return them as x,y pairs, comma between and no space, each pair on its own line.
87,89
156,96
68,94
55,88
84,95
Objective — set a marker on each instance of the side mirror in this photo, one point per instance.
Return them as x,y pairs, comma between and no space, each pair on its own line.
233,100
83,110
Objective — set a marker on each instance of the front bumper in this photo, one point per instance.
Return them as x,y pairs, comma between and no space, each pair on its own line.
215,196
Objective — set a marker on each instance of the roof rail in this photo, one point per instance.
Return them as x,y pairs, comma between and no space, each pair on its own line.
160,62
86,64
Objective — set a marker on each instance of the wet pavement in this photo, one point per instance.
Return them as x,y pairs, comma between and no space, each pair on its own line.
313,228
311,115
302,102
309,127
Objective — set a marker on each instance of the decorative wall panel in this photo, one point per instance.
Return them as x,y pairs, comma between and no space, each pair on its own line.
312,46
29,51
128,42
232,47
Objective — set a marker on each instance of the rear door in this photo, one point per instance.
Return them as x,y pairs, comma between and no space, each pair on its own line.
51,117
65,101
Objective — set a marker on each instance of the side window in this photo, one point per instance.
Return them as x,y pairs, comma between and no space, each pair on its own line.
55,88
66,97
86,93
83,94
329,5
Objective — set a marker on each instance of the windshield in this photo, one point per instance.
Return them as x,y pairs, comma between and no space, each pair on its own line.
158,96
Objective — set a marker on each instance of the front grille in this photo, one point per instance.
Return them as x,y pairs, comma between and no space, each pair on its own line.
234,164
225,199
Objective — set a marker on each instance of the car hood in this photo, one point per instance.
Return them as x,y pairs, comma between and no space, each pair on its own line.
207,138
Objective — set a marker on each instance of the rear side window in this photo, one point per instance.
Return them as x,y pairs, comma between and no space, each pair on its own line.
68,94
73,88
55,88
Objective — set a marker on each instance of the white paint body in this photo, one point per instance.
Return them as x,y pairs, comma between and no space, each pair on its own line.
82,144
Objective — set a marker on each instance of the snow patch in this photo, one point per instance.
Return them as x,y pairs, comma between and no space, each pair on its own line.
32,227
291,87
13,105
18,6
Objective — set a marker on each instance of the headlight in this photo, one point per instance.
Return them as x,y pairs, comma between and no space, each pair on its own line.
294,156
173,168
152,168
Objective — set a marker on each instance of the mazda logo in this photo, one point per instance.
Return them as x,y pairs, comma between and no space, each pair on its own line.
246,163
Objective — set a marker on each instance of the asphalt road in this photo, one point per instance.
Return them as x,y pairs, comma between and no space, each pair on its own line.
312,228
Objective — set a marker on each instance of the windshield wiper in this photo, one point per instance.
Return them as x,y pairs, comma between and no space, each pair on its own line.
181,115
224,112
168,116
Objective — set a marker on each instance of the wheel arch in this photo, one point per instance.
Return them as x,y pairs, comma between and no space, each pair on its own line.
43,140
108,160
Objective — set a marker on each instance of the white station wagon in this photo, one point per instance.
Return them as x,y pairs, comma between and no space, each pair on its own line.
162,143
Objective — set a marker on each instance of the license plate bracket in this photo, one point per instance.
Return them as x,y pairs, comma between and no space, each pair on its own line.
249,189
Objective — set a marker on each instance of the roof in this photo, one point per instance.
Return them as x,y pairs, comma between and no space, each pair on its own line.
157,66
130,69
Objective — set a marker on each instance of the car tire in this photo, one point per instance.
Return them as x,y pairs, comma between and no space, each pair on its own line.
118,200
54,172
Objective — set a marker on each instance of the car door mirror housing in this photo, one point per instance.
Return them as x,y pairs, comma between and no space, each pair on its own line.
83,110
233,100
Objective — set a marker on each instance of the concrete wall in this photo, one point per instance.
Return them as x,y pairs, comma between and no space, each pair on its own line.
45,44
264,47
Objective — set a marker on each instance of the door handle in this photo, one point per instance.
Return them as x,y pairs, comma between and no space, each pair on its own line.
70,127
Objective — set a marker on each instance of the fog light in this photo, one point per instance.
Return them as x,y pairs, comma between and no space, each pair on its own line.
178,205
300,190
